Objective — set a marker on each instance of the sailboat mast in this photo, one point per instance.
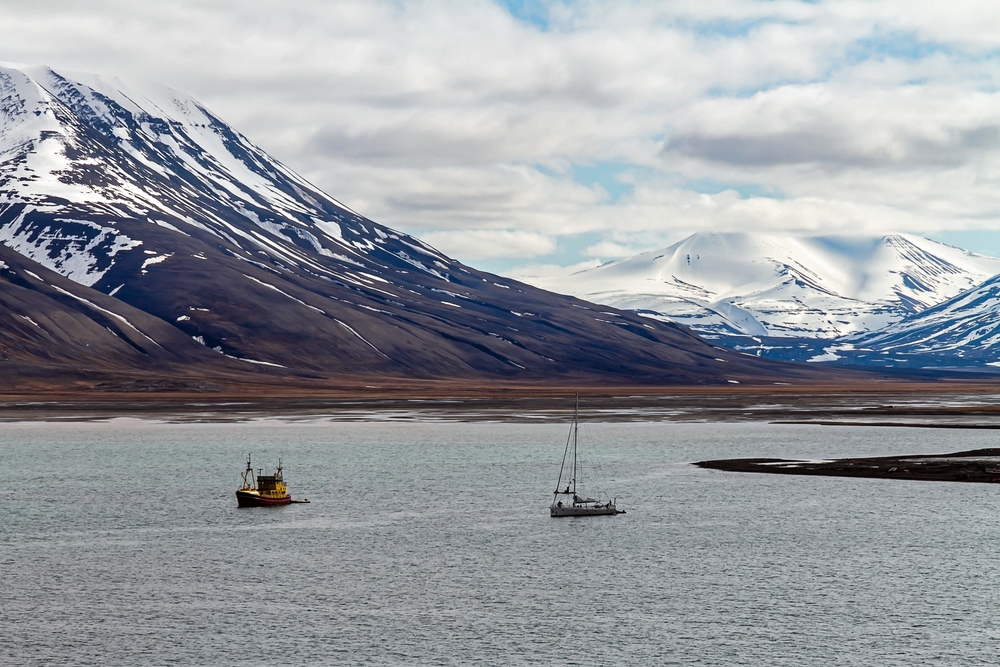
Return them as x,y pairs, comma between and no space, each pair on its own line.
576,429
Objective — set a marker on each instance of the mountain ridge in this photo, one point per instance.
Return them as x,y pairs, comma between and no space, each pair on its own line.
962,331
824,287
150,199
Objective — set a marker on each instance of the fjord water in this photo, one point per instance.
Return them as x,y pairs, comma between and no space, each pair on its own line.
430,544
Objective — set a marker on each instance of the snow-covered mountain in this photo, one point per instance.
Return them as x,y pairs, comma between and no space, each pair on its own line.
145,198
961,331
782,286
95,152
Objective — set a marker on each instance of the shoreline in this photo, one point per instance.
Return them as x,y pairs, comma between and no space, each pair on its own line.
964,407
981,466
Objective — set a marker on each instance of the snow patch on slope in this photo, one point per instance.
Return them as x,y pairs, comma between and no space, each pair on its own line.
71,254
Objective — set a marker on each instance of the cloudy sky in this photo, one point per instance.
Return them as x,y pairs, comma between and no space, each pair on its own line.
532,132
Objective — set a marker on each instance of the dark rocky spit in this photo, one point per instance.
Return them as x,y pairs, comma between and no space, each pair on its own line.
979,465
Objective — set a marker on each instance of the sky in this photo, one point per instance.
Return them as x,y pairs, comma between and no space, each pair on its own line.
526,135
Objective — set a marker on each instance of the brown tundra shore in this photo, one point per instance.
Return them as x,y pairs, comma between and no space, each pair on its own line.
979,465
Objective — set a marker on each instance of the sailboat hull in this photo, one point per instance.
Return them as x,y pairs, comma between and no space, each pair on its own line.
584,511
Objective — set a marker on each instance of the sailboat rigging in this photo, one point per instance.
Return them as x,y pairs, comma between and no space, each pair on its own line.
573,504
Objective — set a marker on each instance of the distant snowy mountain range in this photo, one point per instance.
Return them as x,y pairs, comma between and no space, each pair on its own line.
821,298
783,286
963,331
141,230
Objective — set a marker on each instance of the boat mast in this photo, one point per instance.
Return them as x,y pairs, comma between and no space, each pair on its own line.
248,479
562,466
576,429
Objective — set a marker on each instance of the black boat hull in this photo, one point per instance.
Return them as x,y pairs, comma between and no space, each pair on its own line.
584,511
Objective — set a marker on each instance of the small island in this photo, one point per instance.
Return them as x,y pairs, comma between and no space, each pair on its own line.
979,465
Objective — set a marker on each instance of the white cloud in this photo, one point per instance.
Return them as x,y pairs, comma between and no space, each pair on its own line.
550,276
906,127
491,243
457,121
608,249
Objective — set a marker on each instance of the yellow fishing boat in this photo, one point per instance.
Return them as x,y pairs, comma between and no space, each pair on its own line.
263,490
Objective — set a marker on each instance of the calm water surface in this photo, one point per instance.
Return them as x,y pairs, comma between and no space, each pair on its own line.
430,544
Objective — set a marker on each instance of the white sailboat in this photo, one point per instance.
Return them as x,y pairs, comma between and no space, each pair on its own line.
566,502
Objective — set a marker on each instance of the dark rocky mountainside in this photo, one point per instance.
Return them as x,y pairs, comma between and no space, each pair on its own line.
52,326
187,246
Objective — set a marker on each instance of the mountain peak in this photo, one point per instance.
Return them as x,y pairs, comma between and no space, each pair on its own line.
783,285
102,152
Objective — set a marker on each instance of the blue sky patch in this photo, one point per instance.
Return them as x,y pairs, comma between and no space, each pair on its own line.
893,44
725,28
983,241
608,176
535,12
